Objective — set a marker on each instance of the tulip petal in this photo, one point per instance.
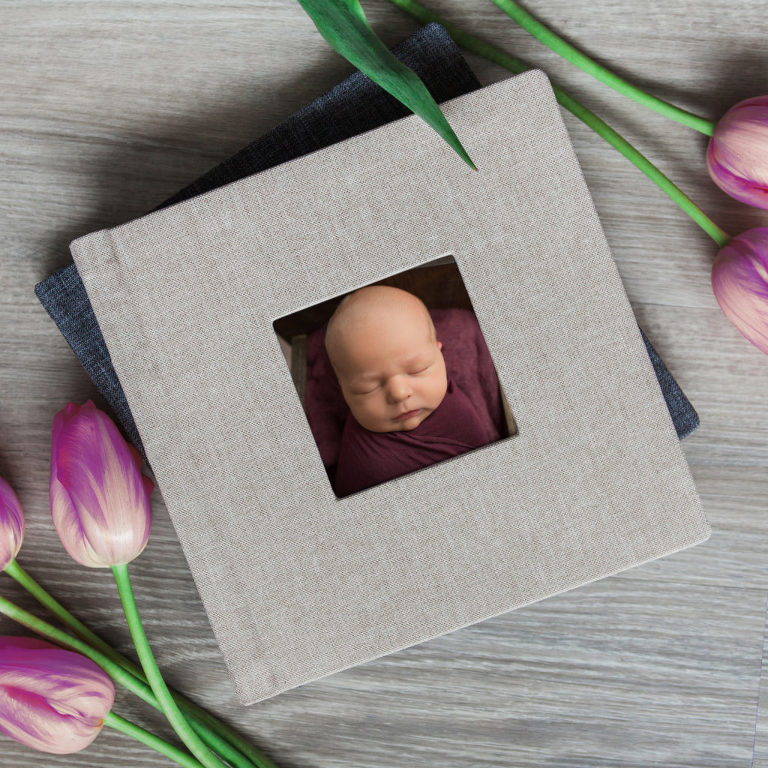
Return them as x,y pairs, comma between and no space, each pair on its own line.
99,497
12,525
51,699
737,155
740,284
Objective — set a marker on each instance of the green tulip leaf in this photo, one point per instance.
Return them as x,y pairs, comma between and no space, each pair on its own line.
343,25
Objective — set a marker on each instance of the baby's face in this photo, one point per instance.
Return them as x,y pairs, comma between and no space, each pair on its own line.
392,375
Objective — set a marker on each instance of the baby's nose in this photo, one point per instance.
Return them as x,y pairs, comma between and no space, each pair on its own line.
399,388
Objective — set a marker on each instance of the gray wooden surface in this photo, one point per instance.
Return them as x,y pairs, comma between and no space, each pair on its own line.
109,107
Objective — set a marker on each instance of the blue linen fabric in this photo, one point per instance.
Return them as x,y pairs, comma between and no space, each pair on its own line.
683,414
354,106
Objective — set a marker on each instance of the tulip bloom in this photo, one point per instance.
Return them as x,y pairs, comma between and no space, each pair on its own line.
12,525
740,283
737,156
51,699
99,497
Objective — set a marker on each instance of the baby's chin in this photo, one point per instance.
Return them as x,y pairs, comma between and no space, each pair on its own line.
404,425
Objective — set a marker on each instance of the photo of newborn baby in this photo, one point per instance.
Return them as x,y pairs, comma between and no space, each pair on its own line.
405,410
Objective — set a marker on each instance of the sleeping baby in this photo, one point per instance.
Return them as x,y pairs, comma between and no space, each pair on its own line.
405,411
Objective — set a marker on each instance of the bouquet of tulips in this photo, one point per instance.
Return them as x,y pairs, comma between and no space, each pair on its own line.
737,155
57,693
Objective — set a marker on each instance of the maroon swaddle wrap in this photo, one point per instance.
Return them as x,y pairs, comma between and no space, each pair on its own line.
369,458
467,361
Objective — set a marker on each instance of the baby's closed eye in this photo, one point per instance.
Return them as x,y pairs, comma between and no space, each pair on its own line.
370,391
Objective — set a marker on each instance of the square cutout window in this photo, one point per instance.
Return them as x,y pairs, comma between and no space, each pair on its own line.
395,376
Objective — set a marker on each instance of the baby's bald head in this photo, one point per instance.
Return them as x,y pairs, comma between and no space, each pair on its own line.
374,308
384,350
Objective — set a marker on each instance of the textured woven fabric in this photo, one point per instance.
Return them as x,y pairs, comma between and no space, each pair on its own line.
354,106
298,584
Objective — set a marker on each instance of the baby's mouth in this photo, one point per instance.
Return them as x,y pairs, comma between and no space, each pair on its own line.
408,414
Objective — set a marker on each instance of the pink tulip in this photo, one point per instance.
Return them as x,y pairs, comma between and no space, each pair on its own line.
50,699
99,497
740,283
737,156
12,525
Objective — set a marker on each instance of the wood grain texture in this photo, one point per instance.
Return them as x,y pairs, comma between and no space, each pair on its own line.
109,107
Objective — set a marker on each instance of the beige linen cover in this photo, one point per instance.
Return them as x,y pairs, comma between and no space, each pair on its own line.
298,584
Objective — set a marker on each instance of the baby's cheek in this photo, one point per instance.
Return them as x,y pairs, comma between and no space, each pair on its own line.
372,406
439,385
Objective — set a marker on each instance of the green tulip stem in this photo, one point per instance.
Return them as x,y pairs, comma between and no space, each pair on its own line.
599,72
206,722
131,729
15,571
152,671
117,673
615,139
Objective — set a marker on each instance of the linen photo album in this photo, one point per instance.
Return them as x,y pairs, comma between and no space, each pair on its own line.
539,454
